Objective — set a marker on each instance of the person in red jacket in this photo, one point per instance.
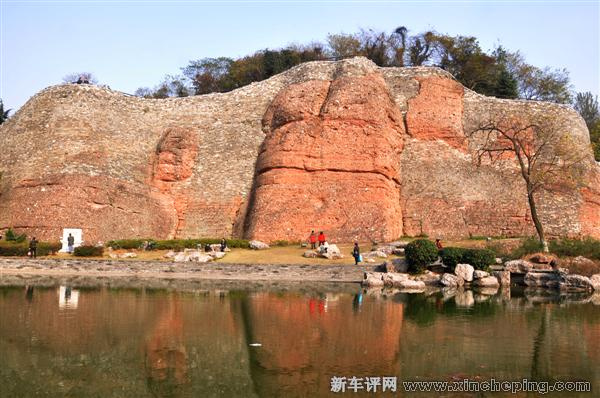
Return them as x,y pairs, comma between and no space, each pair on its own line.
313,239
321,238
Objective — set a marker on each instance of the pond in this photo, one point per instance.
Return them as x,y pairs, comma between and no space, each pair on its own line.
101,340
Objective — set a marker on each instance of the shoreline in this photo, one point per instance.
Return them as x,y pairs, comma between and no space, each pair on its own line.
184,271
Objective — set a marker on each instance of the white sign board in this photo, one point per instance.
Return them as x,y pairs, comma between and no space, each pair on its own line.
76,233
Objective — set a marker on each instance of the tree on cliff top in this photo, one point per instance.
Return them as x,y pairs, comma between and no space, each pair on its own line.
75,77
3,113
548,157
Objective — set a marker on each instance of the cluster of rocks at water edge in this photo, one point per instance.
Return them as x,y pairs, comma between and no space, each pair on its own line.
539,273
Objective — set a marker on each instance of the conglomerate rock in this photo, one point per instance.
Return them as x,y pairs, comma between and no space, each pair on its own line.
358,151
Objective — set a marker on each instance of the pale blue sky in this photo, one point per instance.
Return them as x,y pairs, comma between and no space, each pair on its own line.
129,44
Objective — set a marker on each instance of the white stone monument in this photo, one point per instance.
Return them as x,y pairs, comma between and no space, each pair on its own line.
77,234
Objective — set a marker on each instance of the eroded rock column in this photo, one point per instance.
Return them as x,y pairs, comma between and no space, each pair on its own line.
330,161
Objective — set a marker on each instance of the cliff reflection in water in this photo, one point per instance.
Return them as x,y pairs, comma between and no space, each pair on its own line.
167,343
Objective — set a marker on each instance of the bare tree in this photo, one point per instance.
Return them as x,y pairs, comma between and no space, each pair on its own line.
548,156
83,77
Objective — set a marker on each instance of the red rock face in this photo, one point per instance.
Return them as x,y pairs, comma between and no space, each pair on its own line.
104,207
436,113
330,161
173,166
589,212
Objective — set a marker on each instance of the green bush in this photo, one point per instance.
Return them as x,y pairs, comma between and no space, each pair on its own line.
126,243
480,259
175,244
14,248
420,253
452,256
587,247
89,251
11,236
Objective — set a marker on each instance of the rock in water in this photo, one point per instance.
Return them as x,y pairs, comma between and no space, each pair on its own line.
450,280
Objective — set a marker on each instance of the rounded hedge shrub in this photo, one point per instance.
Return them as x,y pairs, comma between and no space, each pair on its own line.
419,254
452,256
480,259
88,251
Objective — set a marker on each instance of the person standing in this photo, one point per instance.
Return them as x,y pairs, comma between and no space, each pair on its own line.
313,239
438,244
321,238
33,247
70,243
223,244
356,253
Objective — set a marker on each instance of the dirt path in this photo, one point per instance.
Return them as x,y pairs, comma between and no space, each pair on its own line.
169,270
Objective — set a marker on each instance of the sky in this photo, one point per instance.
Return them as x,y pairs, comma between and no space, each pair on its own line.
132,44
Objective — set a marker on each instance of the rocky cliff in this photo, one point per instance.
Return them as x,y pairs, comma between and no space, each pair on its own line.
345,147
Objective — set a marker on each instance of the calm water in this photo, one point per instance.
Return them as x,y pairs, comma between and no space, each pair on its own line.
146,342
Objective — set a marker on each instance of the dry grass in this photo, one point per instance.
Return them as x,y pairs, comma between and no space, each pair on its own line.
585,268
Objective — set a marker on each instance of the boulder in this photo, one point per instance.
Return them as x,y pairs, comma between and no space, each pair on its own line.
518,266
393,279
310,254
399,244
479,274
398,251
595,279
396,265
411,285
583,262
332,253
576,283
258,245
429,278
198,256
503,277
170,254
498,261
372,279
386,249
464,271
217,255
542,258
451,280
181,257
373,254
488,281
542,279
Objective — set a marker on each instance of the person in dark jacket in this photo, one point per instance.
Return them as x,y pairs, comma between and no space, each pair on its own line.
223,245
356,253
33,247
70,243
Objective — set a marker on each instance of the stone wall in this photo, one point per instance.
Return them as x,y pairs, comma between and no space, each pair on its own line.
358,151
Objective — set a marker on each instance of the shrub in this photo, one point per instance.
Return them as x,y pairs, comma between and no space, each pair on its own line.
587,247
126,243
14,248
89,251
11,236
46,248
420,253
452,256
480,259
